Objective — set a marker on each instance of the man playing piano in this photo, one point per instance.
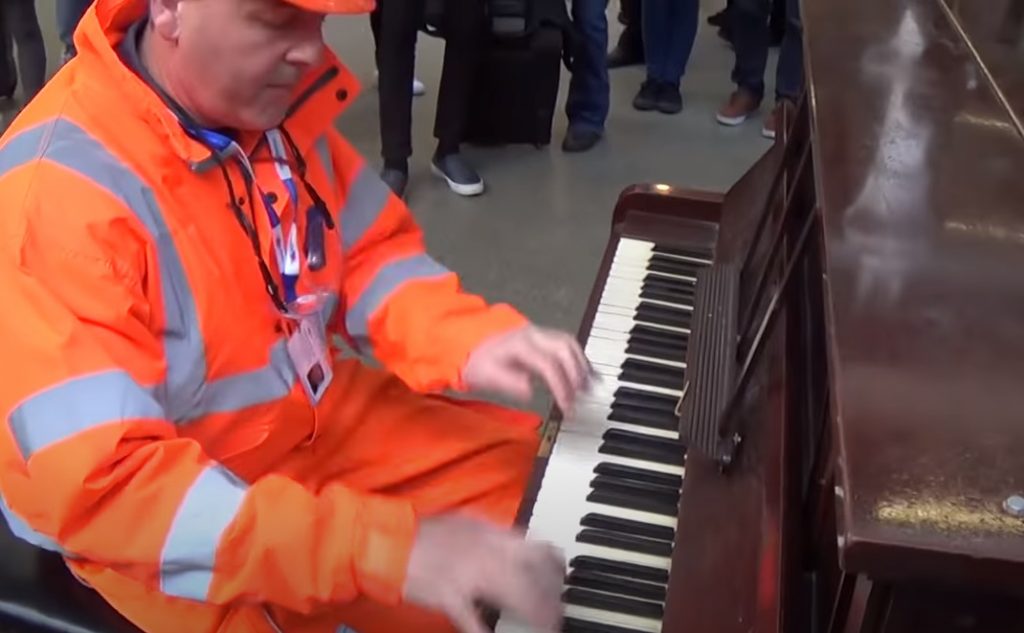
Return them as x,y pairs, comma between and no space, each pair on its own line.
178,426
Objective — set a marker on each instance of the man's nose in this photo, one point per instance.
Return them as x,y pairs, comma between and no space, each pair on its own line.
308,51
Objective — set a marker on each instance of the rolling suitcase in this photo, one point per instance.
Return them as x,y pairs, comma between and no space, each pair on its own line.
516,91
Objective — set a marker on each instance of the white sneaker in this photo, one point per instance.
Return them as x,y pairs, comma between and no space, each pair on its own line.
418,88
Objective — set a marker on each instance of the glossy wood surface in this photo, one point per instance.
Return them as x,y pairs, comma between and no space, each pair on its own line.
920,165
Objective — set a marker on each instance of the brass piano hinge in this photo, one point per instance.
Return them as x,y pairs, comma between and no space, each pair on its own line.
682,398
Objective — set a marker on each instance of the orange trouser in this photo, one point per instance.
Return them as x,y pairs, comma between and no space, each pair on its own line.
440,453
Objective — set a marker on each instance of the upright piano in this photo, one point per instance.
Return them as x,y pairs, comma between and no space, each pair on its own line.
810,413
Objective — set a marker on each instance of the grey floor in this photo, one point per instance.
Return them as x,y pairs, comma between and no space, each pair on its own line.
535,238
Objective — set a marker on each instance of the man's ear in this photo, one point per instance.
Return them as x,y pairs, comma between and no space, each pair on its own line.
165,16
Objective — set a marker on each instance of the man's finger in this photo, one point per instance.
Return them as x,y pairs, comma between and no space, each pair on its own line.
466,618
513,382
538,360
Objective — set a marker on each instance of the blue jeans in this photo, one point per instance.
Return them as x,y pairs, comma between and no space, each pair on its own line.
750,39
69,13
670,27
589,90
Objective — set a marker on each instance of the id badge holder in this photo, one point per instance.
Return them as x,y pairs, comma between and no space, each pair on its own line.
307,345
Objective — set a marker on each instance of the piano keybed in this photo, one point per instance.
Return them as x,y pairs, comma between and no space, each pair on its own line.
609,496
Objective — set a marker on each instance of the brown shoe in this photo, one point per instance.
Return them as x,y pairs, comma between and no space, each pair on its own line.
738,109
776,118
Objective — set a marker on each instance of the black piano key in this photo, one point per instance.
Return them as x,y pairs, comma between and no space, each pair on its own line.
624,542
643,489
633,502
638,474
617,585
645,399
652,279
658,292
619,568
672,266
652,419
640,348
648,312
643,439
642,453
576,625
609,602
650,373
693,253
627,526
657,336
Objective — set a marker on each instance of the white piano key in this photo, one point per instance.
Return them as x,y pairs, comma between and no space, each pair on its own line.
625,324
592,418
640,248
647,625
614,353
626,269
607,387
618,310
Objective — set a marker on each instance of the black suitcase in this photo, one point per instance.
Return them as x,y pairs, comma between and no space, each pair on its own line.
515,95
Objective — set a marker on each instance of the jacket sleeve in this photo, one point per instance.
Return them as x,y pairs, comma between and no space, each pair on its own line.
405,307
89,463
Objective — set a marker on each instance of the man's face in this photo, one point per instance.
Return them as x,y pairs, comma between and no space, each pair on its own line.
240,60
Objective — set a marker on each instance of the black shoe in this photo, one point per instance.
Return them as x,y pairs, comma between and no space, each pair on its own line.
620,58
461,178
647,98
669,100
580,139
396,179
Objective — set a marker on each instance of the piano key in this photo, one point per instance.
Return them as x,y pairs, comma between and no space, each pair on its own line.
644,247
631,271
648,418
615,568
636,346
639,474
632,487
597,418
652,373
606,385
625,526
672,291
610,602
609,583
599,616
621,323
625,542
647,311
614,353
633,502
662,264
647,400
640,453
672,446
703,259
575,625
657,336
666,296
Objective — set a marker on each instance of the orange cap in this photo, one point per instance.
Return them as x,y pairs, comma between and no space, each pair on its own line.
335,6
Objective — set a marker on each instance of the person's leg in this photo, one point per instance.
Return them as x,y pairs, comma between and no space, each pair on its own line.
376,436
396,56
465,39
69,14
681,25
8,69
589,91
789,73
442,454
656,45
23,25
630,47
418,88
749,22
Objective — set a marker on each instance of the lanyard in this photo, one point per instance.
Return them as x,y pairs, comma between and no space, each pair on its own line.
288,261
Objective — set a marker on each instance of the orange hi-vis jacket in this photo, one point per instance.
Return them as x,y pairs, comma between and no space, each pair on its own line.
146,388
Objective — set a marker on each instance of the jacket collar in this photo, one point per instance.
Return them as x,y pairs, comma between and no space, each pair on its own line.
322,94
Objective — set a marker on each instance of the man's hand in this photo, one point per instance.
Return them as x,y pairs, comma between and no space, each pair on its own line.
506,363
458,562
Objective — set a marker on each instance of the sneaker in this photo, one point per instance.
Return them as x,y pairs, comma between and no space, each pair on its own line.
670,99
647,98
461,178
418,87
774,120
580,139
738,109
395,179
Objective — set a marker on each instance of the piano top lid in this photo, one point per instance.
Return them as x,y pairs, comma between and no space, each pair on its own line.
920,164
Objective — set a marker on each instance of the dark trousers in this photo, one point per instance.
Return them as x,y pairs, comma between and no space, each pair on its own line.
69,14
395,25
22,26
751,38
589,89
670,27
631,40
